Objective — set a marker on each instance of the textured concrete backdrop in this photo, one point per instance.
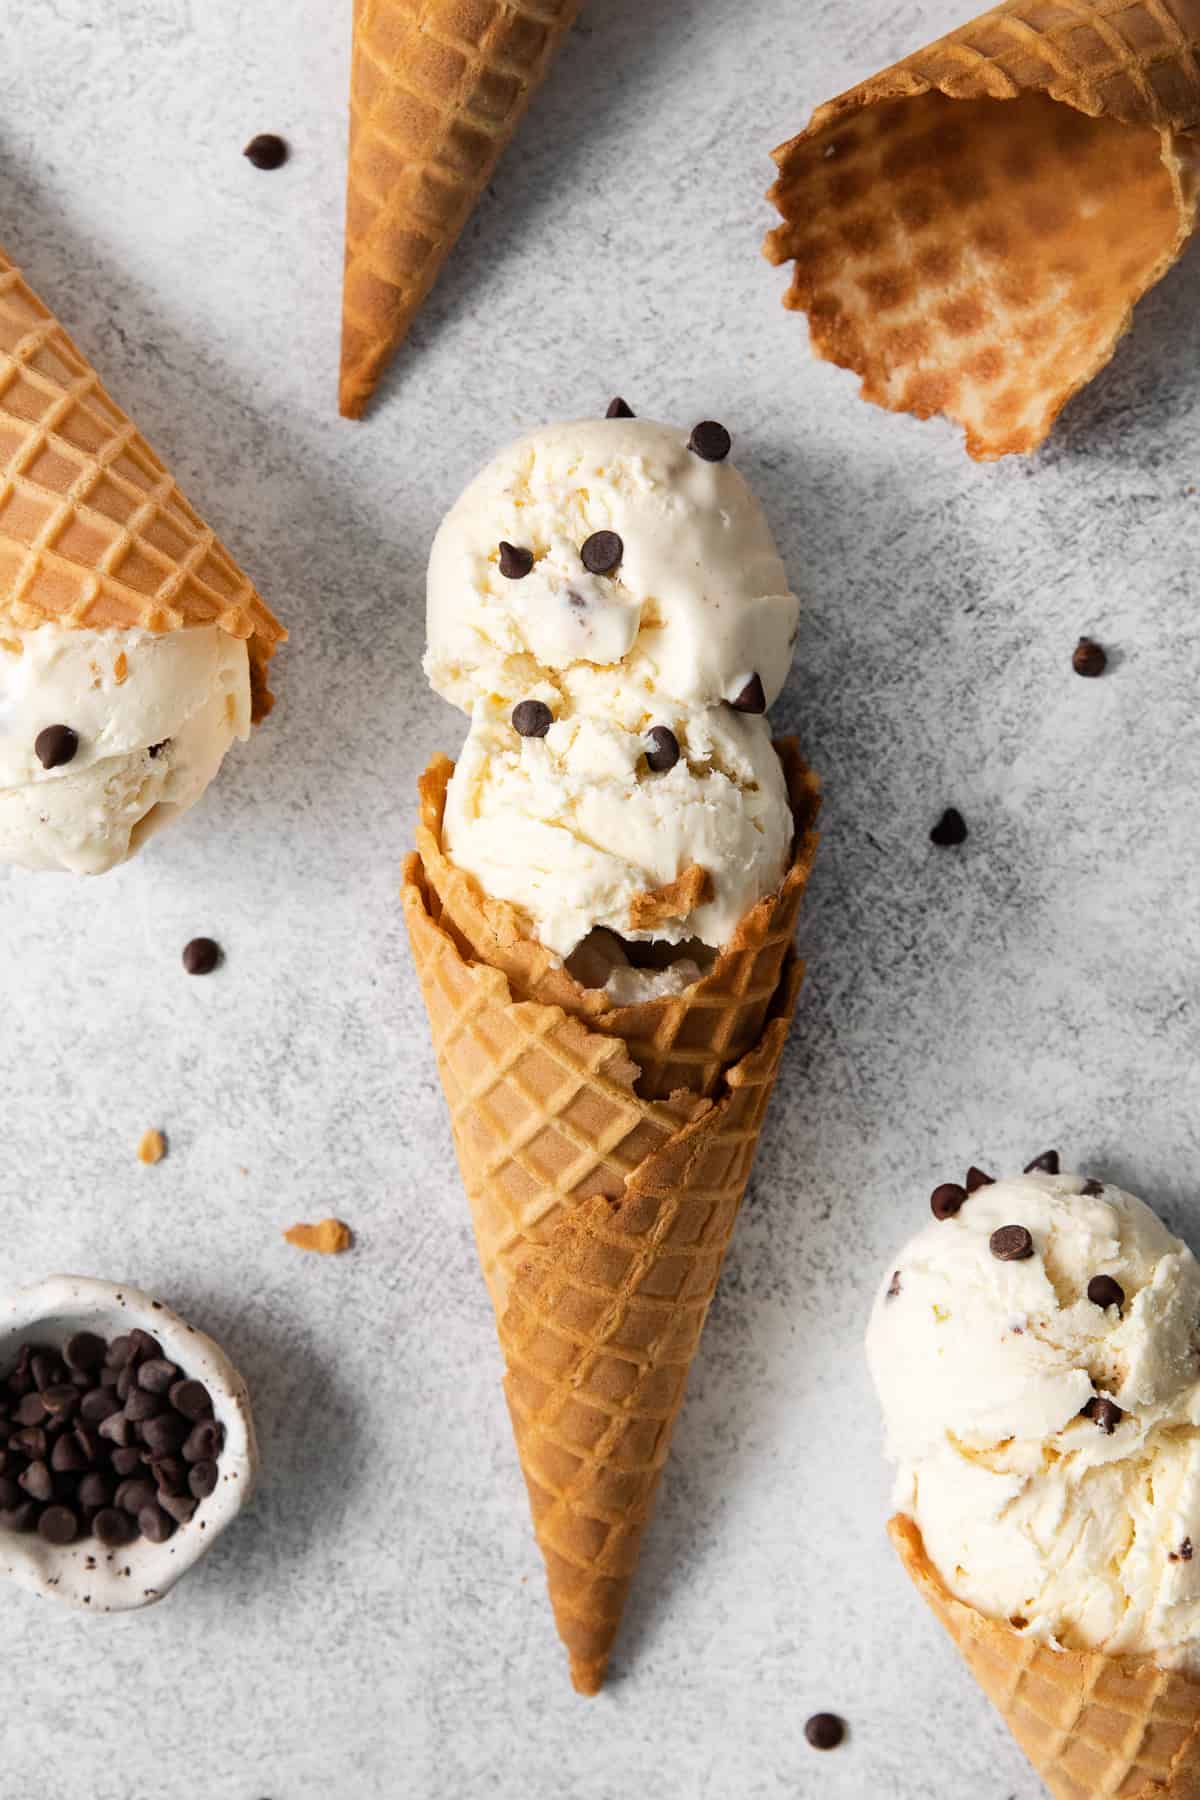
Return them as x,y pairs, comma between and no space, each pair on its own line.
378,1625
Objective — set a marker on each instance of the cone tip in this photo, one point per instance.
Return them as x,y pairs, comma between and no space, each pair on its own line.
587,1677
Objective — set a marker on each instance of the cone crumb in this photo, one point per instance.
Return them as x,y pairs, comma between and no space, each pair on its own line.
329,1238
152,1148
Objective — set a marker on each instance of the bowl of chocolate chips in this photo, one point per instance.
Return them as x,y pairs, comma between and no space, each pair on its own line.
126,1443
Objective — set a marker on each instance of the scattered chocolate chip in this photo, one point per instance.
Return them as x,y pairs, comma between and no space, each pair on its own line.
1106,1413
114,1528
894,1285
946,1200
950,829
663,753
1092,1187
154,1524
825,1731
532,718
976,1179
266,151
157,1375
58,1525
752,699
55,746
202,1479
1102,1290
515,562
601,553
201,956
1089,658
617,409
84,1351
710,441
1047,1163
1011,1243
192,1399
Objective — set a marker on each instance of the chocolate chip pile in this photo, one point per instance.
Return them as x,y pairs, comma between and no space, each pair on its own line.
111,1440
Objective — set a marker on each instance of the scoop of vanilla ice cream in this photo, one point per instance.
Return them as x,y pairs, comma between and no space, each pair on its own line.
698,604
1031,1509
571,826
154,716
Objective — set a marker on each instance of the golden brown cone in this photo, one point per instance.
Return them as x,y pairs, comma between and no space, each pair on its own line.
683,1041
94,532
437,90
1094,1727
602,1219
971,229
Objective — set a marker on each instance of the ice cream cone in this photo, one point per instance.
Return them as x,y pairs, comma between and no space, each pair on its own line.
971,229
437,90
602,1218
94,532
1092,1726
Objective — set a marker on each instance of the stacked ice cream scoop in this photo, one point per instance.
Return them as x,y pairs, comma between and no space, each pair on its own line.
601,909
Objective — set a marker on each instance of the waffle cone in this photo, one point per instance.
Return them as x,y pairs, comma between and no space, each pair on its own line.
437,90
1092,1726
680,1041
94,532
970,230
602,1217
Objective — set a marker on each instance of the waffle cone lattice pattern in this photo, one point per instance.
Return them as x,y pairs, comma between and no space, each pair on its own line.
970,230
437,90
94,533
1094,1727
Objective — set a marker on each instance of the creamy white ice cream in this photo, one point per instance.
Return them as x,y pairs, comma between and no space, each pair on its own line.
573,823
153,715
1079,1526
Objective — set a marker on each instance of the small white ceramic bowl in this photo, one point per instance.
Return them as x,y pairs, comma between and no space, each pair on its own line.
85,1573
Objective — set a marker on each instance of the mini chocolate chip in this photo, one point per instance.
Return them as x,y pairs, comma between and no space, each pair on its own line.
601,553
132,1495
202,1479
1089,658
1185,1550
825,1731
164,1434
515,562
710,441
127,1461
203,1442
1011,1243
893,1285
201,956
114,1528
1103,1291
752,698
141,1406
157,1375
32,1410
976,1179
62,1399
58,1525
1105,1413
94,1490
84,1351
192,1399
97,1404
266,151
663,753
154,1524
18,1518
950,829
1047,1163
117,1429
532,718
618,409
179,1506
37,1481
946,1200
55,746
1092,1187
67,1458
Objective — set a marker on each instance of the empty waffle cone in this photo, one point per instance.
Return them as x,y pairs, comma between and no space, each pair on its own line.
94,532
602,1218
970,230
1092,1726
437,90
678,1041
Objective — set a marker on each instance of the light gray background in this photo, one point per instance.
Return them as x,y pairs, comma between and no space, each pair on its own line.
378,1626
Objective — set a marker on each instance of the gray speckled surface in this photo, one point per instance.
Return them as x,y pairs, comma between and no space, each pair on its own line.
377,1626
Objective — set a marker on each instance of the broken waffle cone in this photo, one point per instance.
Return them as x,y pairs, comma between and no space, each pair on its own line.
94,533
602,1218
1093,1726
678,1041
970,230
437,90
